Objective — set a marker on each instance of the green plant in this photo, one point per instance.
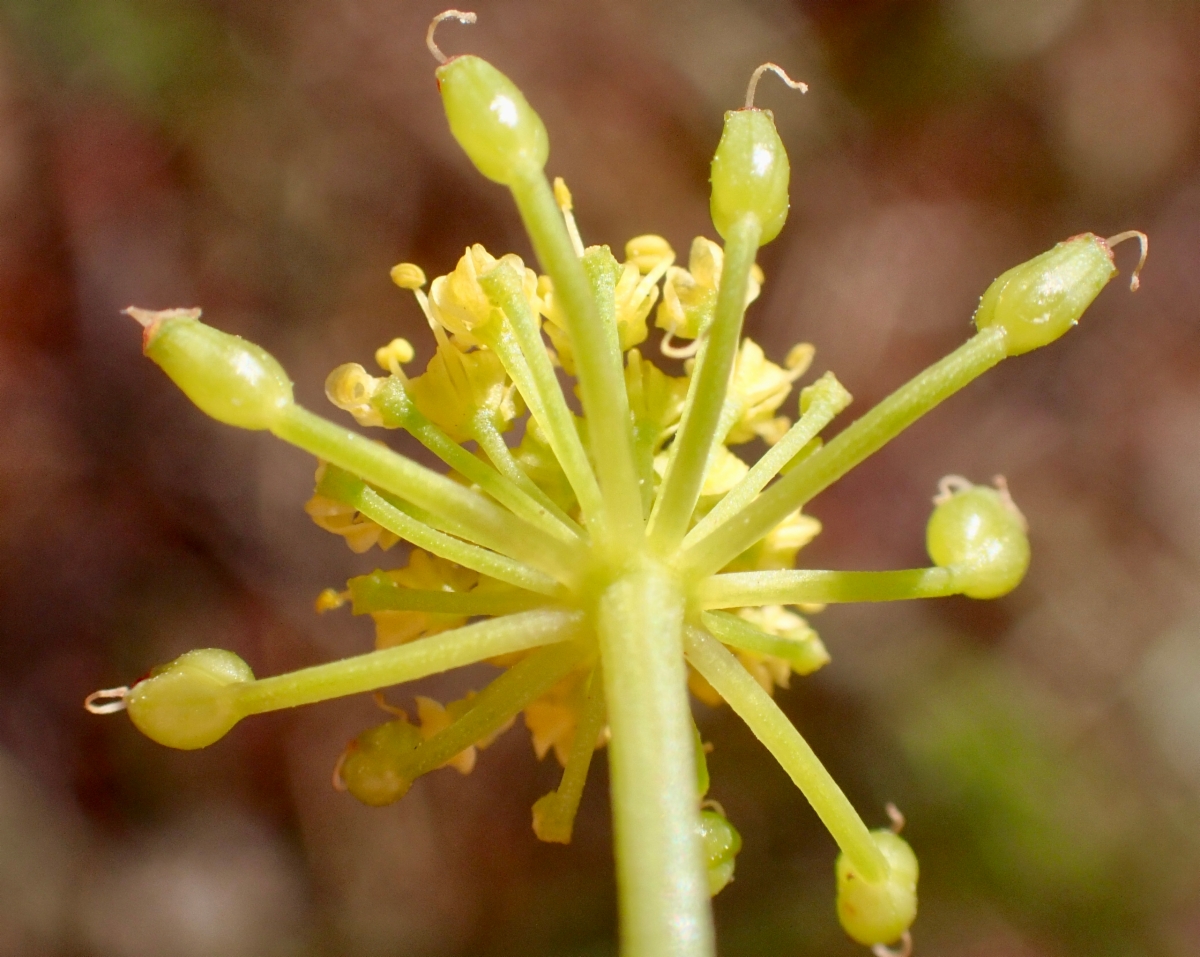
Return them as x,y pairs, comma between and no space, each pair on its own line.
611,558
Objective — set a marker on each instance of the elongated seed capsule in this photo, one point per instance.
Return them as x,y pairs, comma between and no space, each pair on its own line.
491,119
879,913
190,702
371,768
230,379
721,842
1039,300
750,169
979,535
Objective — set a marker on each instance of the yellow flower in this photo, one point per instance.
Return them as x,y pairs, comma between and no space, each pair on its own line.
690,295
458,302
458,387
757,390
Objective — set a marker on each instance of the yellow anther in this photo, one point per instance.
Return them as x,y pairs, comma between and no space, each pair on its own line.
562,196
433,717
408,276
647,251
391,357
329,599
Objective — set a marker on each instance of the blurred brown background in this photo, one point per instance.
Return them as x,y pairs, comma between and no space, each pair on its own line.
270,160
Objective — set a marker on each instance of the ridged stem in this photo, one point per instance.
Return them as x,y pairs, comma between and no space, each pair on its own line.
661,879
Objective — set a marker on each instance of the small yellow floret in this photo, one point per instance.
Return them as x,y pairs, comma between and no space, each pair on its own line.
328,600
690,295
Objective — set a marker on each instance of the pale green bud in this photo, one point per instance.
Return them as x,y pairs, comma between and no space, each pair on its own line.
879,913
978,534
750,174
492,121
372,767
191,702
1039,300
720,842
234,381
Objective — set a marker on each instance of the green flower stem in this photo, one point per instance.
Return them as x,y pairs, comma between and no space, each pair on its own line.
496,705
829,398
859,440
426,656
528,365
495,448
398,410
805,587
661,879
772,727
706,394
345,488
598,363
380,592
556,811
456,510
805,656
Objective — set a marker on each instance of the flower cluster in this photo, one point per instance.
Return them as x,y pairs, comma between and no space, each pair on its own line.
604,559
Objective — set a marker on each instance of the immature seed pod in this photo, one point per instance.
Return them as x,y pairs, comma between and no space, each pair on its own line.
230,379
721,842
879,913
977,533
371,769
750,169
492,121
1039,300
189,703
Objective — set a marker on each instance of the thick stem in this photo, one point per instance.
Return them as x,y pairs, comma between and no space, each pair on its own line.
805,587
706,396
661,879
772,727
598,361
859,440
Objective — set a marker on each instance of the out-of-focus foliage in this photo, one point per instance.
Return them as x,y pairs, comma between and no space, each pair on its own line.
271,161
